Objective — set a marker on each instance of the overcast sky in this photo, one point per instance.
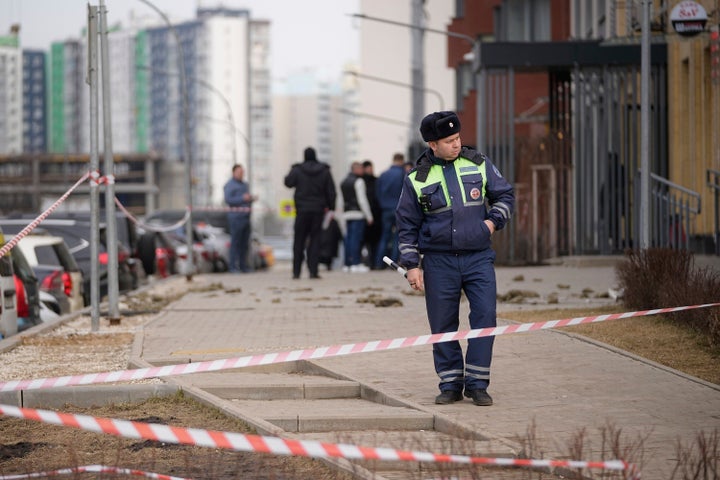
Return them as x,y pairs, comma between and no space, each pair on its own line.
305,33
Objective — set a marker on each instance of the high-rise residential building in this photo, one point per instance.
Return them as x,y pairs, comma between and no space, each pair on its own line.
261,116
224,78
67,75
222,48
11,98
34,86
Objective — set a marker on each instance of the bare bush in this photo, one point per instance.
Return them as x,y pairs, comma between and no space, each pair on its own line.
662,277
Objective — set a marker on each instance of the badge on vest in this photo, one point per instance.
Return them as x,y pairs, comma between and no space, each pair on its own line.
475,193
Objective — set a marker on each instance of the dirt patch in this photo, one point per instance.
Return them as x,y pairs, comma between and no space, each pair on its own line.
64,447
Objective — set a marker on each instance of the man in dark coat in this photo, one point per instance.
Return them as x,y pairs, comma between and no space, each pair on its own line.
314,195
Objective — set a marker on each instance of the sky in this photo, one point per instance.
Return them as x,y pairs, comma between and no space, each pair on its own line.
316,34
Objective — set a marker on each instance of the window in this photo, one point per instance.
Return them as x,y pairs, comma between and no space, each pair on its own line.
524,21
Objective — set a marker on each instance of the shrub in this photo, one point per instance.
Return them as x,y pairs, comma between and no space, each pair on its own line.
662,277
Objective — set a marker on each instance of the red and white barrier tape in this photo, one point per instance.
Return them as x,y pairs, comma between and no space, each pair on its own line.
153,227
91,469
281,446
14,241
321,352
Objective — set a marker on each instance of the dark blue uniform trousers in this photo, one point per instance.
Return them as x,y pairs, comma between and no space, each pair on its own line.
445,275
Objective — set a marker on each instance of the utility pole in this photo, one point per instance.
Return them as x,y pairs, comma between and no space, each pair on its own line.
92,80
645,126
417,75
111,239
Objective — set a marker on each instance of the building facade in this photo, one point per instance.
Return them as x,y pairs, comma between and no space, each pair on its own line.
34,101
11,94
556,100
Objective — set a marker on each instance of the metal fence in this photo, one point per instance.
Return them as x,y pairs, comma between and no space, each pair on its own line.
673,210
713,182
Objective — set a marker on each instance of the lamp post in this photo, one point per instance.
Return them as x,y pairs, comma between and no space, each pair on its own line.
186,134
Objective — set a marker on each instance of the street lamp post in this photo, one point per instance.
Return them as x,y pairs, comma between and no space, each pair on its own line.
186,135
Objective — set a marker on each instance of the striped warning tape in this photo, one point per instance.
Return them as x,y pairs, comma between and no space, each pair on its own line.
320,352
91,469
14,241
282,446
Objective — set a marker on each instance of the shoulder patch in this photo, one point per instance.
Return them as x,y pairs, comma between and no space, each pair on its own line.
497,172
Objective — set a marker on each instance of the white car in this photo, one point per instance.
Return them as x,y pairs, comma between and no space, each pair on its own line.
8,298
41,251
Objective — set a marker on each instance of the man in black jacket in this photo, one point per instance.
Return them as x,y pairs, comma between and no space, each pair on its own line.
314,195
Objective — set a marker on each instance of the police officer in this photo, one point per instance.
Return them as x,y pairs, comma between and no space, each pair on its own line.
451,203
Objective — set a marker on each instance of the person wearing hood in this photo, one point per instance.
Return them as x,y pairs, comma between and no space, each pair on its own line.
315,195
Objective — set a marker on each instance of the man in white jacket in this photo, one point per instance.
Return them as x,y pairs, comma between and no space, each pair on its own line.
357,215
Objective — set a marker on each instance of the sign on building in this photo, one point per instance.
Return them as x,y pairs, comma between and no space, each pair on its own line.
688,18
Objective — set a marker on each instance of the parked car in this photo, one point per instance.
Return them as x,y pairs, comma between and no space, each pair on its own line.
28,292
213,225
75,229
217,241
157,253
55,268
202,254
8,296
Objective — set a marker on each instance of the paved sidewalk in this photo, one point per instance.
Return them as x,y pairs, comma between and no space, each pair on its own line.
557,381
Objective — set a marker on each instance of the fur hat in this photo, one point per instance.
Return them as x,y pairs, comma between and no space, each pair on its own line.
439,125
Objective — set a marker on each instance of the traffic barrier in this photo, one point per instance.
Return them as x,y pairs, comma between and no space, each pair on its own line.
282,446
91,469
321,352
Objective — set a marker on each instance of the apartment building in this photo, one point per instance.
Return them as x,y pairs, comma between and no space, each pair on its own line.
11,94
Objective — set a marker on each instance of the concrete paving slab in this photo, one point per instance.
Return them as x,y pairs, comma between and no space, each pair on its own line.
336,415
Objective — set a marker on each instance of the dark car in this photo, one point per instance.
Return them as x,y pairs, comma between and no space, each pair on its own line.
75,228
156,251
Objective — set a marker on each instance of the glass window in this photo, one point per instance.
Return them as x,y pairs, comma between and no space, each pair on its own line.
523,21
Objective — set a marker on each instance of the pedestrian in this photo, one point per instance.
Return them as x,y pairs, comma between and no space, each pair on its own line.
239,199
357,215
372,231
442,215
315,195
387,188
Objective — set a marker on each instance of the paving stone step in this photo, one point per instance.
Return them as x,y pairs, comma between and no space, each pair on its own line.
273,386
335,415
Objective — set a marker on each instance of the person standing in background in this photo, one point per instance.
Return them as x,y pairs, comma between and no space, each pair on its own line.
315,195
238,198
387,189
372,231
357,214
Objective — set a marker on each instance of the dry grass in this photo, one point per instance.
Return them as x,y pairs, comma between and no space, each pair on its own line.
656,338
28,447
